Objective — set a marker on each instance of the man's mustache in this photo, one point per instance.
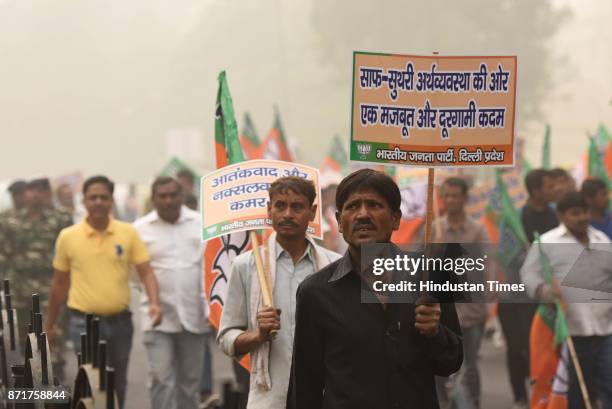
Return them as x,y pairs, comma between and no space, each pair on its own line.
288,223
368,224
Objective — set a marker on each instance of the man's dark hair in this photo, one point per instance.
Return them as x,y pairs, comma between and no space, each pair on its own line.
559,173
17,187
571,200
535,179
40,183
164,180
369,179
186,173
592,186
296,184
99,179
457,182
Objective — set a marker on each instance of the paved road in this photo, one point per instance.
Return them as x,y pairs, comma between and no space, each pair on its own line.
137,393
495,384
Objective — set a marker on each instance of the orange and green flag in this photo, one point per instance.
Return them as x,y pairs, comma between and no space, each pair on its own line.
490,221
275,145
596,167
548,354
335,163
227,145
220,252
336,158
605,143
249,139
608,158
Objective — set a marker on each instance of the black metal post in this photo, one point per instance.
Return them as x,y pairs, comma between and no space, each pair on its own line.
11,324
1,320
110,388
102,364
89,330
95,338
38,324
35,303
84,357
42,344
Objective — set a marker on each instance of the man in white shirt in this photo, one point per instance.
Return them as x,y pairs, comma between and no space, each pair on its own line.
581,258
175,348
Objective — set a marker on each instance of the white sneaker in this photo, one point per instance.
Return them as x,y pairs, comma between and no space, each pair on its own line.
210,402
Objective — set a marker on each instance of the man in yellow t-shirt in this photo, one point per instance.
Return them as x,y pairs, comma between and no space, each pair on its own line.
91,266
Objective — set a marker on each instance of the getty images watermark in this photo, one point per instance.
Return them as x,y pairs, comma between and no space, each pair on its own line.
478,272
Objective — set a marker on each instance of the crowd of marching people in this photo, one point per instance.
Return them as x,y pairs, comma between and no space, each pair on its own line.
319,346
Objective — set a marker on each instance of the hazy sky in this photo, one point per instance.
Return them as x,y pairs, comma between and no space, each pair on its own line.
116,87
583,95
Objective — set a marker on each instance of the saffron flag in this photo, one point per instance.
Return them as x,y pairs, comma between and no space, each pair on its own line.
335,163
408,230
548,354
490,221
605,143
220,252
336,158
275,145
596,167
608,158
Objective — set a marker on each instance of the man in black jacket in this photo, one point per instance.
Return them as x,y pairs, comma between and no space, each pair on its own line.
350,354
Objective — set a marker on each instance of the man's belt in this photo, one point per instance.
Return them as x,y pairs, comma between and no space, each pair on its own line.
122,315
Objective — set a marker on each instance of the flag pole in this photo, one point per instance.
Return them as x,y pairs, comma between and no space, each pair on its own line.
425,297
261,273
579,374
430,199
437,233
263,277
430,212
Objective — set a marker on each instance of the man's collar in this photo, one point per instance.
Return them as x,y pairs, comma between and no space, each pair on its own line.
343,269
185,215
309,252
346,263
563,231
90,231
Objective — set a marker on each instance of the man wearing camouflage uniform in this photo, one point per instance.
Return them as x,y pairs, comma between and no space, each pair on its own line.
27,241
